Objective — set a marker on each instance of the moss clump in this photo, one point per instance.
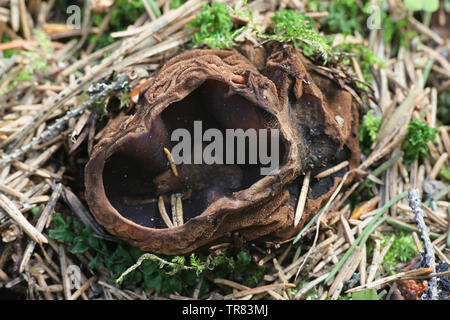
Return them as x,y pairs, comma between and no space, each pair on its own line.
214,27
403,249
417,137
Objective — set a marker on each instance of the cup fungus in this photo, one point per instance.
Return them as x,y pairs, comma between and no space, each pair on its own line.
131,186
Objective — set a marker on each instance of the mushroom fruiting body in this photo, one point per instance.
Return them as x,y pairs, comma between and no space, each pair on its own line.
271,89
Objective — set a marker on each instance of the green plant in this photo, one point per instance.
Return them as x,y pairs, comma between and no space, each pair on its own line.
294,27
415,144
123,13
214,27
344,16
403,249
368,294
417,137
368,130
164,274
36,63
419,5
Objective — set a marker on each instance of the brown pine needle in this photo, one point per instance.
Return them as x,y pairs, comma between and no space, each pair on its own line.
302,199
179,211
163,212
332,170
172,164
258,290
173,205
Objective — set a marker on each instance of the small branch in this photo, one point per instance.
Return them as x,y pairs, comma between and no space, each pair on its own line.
414,202
57,127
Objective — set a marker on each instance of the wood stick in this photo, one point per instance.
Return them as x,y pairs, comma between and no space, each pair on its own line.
18,217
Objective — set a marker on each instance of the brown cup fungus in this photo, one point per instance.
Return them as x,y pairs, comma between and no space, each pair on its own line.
129,179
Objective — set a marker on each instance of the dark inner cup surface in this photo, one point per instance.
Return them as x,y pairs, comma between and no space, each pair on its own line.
130,174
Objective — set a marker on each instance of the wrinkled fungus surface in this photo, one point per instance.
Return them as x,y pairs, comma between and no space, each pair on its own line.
270,88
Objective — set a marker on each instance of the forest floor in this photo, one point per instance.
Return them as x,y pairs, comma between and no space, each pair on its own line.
59,86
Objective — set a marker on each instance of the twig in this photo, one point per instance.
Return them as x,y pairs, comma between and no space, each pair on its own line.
414,202
18,217
56,127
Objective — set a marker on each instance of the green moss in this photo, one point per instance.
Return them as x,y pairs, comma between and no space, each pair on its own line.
368,130
417,137
124,13
214,27
344,16
294,27
403,249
